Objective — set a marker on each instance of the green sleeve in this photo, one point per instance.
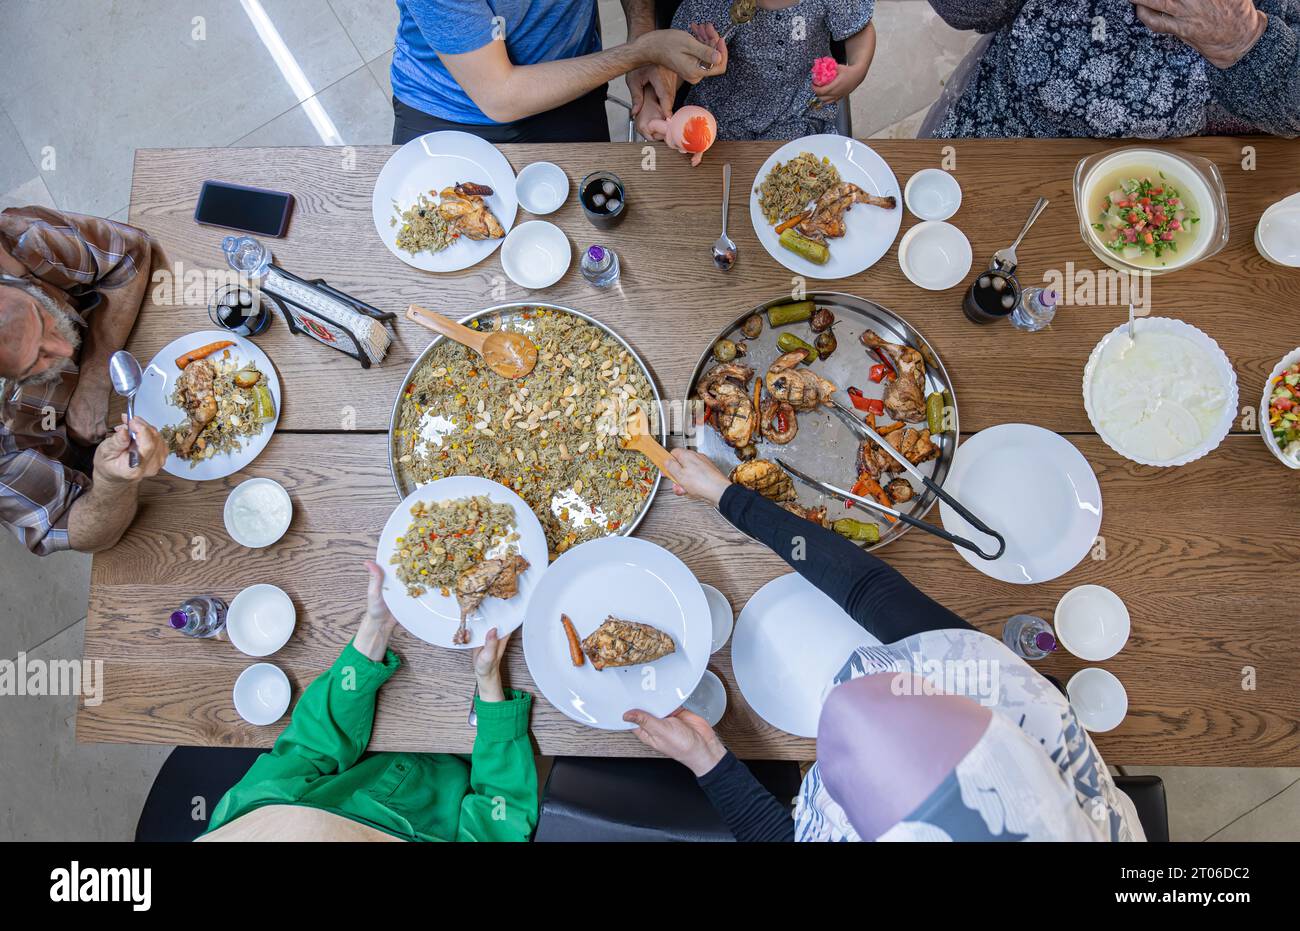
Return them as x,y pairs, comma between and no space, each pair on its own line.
502,804
327,734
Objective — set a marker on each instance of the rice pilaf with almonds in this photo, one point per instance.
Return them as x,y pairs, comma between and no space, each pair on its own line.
789,186
448,538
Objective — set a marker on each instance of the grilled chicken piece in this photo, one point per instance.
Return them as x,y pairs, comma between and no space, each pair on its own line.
816,515
462,206
724,389
904,395
626,643
900,490
765,477
494,578
801,388
776,413
199,399
915,446
826,220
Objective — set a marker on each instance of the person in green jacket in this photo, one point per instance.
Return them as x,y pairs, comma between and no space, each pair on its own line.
319,783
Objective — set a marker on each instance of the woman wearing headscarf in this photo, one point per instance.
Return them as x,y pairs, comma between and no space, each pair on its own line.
1122,68
940,733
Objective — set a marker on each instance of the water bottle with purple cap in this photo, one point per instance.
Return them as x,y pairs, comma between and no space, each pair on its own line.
1029,636
200,616
1036,310
600,266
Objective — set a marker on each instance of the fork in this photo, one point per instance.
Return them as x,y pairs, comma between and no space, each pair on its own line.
1005,259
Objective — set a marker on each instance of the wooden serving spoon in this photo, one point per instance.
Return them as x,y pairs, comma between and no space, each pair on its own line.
509,354
641,440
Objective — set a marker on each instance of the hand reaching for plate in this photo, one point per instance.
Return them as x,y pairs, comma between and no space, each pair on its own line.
682,736
487,666
695,474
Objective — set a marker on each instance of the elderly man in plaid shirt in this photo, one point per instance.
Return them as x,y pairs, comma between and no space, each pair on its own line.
71,287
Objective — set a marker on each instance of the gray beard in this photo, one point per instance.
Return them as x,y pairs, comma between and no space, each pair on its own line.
67,327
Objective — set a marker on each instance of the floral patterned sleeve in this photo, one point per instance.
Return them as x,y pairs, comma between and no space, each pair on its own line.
1264,87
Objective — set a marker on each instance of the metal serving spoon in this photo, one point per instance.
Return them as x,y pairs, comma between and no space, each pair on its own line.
724,250
509,354
124,372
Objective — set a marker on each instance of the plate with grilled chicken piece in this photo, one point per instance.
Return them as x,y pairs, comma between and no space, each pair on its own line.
826,206
461,555
444,201
617,624
757,398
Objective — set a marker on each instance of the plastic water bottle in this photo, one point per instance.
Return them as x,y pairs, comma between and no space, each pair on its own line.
1029,636
600,266
200,616
246,255
1036,310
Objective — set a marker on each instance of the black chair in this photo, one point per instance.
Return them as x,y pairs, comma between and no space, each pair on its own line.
664,10
190,774
1148,795
601,799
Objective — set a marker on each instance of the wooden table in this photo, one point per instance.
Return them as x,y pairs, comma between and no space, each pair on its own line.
1203,555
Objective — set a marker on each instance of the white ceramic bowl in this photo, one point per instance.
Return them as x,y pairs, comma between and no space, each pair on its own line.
932,194
1099,700
724,618
274,533
1277,235
536,254
260,620
1186,330
262,694
709,700
1287,361
1091,622
542,188
935,255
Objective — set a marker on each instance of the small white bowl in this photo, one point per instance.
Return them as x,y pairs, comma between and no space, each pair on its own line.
935,255
542,188
262,694
536,254
273,533
1168,325
724,618
932,194
1099,699
1277,235
1092,622
1288,360
709,700
260,620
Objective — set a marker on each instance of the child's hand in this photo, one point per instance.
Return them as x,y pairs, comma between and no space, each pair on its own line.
708,34
650,112
487,666
846,81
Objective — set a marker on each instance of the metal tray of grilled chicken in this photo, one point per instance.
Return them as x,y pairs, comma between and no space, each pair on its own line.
822,446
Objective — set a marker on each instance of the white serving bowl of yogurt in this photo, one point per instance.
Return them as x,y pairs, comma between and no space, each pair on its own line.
1164,399
257,512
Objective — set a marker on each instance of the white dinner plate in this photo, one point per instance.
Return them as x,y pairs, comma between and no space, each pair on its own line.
153,402
634,580
870,231
790,641
1033,487
434,617
430,163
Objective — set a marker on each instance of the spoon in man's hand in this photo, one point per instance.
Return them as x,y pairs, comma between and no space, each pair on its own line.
124,373
509,354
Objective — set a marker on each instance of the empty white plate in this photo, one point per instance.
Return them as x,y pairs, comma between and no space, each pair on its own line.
536,254
1277,237
260,620
542,188
932,194
723,617
790,641
935,255
262,694
709,700
1099,700
1033,487
1092,622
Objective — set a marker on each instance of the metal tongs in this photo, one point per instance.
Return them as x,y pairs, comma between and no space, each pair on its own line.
865,431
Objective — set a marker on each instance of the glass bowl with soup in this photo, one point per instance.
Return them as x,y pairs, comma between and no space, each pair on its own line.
1150,210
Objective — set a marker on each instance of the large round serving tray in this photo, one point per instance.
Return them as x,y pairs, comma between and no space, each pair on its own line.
824,447
511,317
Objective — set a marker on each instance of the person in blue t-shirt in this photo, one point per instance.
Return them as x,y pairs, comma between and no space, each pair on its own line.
530,70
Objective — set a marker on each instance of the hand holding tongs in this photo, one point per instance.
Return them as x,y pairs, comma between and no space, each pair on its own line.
866,432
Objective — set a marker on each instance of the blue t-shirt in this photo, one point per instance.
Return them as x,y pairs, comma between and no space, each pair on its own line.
533,30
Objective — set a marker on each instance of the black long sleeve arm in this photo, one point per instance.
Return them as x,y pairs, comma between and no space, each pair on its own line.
751,812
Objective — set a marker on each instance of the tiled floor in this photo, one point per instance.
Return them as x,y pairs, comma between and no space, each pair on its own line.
140,73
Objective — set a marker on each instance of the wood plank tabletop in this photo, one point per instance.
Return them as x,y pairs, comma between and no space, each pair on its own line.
1199,554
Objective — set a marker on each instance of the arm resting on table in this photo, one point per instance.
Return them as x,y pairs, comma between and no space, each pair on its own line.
751,812
502,805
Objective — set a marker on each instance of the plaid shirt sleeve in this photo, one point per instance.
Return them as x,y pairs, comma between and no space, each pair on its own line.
75,252
36,495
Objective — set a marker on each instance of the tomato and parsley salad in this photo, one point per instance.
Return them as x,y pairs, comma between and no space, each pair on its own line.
1284,411
1143,218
